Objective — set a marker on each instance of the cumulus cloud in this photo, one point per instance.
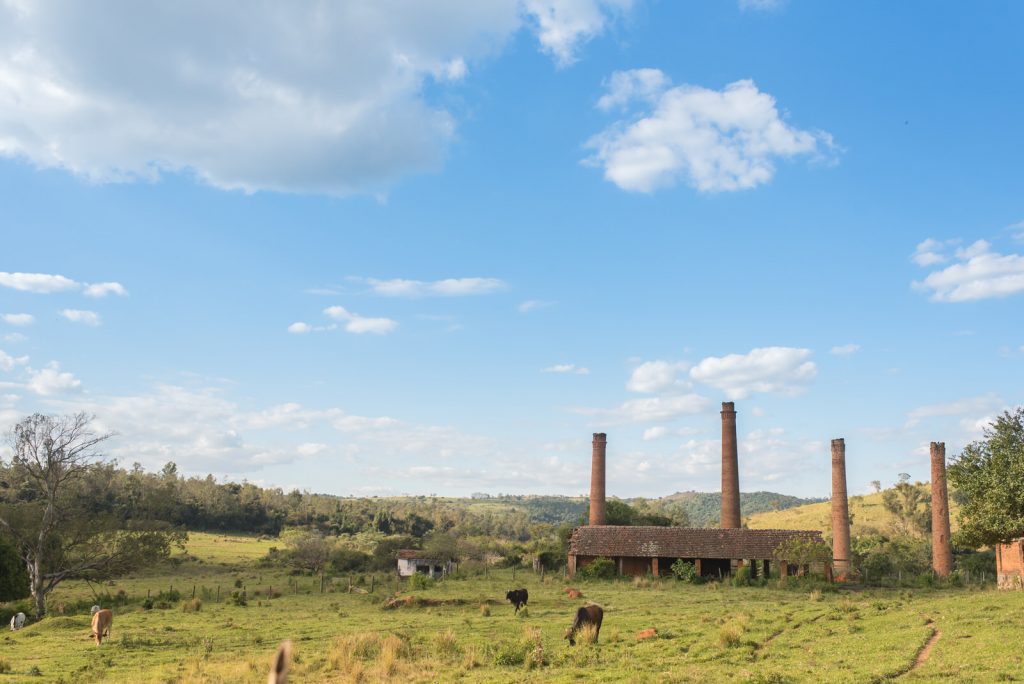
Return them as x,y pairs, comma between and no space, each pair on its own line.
647,409
656,376
51,380
8,362
978,272
90,318
662,432
784,370
103,289
296,97
300,328
713,140
928,253
448,287
563,25
354,323
47,283
566,368
18,319
845,349
43,283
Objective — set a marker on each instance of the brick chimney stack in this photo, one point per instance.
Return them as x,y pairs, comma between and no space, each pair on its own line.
942,553
730,469
840,512
597,466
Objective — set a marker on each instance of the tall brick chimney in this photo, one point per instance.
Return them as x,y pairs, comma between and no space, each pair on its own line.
840,512
597,479
942,553
730,469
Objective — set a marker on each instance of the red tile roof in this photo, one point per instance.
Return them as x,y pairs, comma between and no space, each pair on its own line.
612,541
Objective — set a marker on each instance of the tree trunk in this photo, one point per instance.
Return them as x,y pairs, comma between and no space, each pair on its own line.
35,575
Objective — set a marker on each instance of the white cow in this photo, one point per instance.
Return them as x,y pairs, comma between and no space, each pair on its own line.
17,622
94,610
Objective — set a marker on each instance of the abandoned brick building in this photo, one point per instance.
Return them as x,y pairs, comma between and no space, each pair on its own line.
713,551
720,551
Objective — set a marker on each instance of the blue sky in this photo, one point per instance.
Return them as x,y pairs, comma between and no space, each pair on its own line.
387,248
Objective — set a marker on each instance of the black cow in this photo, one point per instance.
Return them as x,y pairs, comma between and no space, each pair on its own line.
587,615
518,597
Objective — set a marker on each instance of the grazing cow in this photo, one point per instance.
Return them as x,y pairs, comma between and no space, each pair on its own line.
282,659
17,622
518,597
587,615
102,620
94,610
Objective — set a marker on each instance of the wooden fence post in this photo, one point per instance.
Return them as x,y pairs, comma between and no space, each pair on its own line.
373,580
193,591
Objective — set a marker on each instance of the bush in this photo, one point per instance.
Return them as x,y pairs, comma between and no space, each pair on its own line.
685,572
238,598
599,568
420,581
730,635
192,605
5,667
147,604
742,577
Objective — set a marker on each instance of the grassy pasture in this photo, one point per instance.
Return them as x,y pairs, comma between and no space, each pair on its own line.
462,630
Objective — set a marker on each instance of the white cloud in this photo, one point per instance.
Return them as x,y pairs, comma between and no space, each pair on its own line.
354,323
43,283
661,432
648,409
449,287
713,140
784,370
974,408
566,368
928,253
295,97
979,273
79,316
8,362
656,376
300,328
50,381
625,87
14,337
845,349
532,305
47,283
562,25
18,319
310,448
103,289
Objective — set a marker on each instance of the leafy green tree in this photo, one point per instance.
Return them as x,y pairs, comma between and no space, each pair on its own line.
910,506
13,576
988,477
309,551
61,512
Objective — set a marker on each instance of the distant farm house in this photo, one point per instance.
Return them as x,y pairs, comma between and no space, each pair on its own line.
1010,564
413,561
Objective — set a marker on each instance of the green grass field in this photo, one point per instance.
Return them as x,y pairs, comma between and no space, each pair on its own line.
463,630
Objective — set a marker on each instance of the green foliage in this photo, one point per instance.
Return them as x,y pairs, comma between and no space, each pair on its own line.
878,556
599,568
988,477
420,581
349,560
803,551
309,551
704,509
13,576
910,506
238,598
684,571
741,578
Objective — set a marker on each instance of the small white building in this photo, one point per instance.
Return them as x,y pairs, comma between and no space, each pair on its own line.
412,561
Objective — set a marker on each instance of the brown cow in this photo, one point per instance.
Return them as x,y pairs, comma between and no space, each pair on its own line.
102,620
646,634
587,615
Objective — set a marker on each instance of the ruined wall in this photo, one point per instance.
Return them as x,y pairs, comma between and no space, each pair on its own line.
1010,565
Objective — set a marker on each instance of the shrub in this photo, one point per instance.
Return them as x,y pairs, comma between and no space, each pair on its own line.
420,581
684,571
5,666
192,605
512,653
445,645
485,610
238,598
742,577
599,568
730,635
147,604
